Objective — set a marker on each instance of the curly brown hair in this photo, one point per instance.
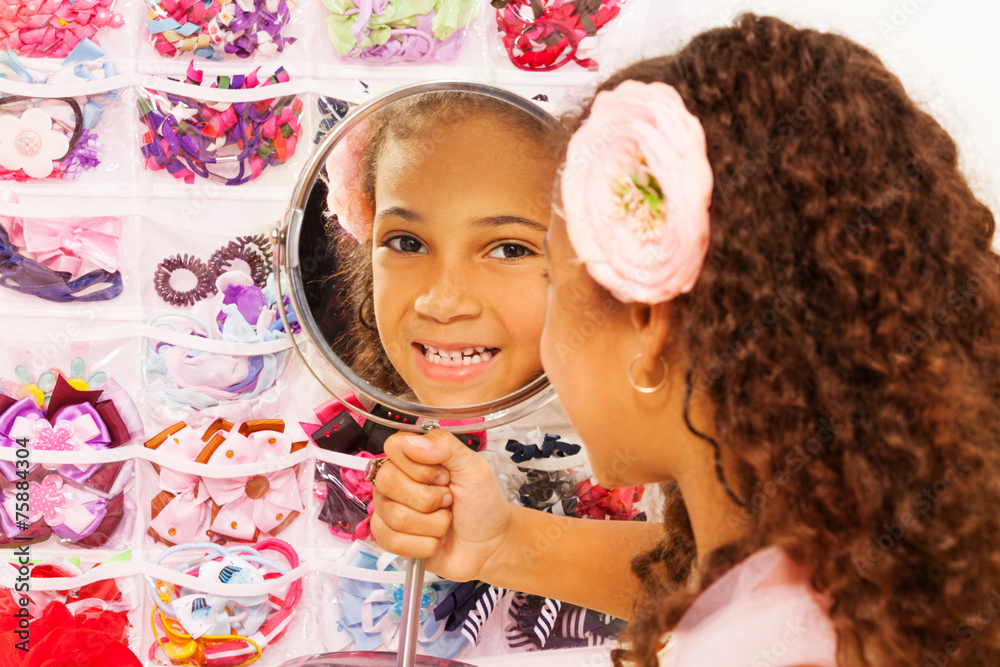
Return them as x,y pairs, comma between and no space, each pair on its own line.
422,118
845,331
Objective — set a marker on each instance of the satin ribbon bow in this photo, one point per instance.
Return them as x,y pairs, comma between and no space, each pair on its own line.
66,245
369,613
253,502
237,507
71,513
77,428
545,623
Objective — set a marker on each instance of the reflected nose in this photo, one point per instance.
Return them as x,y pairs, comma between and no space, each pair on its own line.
448,299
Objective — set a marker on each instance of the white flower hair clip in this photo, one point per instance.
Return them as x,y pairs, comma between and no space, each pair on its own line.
636,190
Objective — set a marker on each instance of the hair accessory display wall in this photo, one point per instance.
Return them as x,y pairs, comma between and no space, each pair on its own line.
144,343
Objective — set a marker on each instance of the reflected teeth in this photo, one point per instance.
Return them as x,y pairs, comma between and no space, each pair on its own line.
464,357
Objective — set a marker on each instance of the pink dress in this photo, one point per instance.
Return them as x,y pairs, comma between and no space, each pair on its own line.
762,613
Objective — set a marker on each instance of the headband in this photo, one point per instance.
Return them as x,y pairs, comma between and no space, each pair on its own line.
53,137
46,258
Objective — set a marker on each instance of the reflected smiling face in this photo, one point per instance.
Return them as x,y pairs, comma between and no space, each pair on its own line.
458,266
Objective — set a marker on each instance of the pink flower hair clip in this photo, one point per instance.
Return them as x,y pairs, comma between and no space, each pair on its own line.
345,200
636,189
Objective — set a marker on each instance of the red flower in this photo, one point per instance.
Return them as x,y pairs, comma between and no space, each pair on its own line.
112,623
81,648
10,655
55,619
8,611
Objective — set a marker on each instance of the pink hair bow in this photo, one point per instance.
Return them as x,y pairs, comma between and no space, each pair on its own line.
253,502
195,508
67,245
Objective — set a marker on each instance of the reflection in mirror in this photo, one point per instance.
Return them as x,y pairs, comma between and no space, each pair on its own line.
427,230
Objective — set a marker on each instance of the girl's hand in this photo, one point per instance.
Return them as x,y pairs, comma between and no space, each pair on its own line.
437,499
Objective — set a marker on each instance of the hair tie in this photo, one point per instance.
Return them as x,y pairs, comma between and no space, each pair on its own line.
252,254
192,507
166,276
215,28
204,629
545,36
228,143
239,312
549,491
52,28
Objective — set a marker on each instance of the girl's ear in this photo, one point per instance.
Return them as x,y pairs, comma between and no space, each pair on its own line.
652,326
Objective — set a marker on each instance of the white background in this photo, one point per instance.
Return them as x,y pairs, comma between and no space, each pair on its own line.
946,53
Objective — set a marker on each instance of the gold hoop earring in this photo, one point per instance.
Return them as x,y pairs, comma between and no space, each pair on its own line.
638,387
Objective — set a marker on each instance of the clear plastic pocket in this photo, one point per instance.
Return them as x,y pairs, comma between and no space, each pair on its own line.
230,132
64,611
66,472
57,132
399,31
232,489
215,605
216,29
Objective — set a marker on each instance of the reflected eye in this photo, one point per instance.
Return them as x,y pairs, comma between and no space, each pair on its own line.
407,244
510,251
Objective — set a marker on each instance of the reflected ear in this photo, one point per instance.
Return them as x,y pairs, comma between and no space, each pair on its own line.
652,326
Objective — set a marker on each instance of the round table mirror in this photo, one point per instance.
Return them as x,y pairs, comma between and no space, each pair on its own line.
413,256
